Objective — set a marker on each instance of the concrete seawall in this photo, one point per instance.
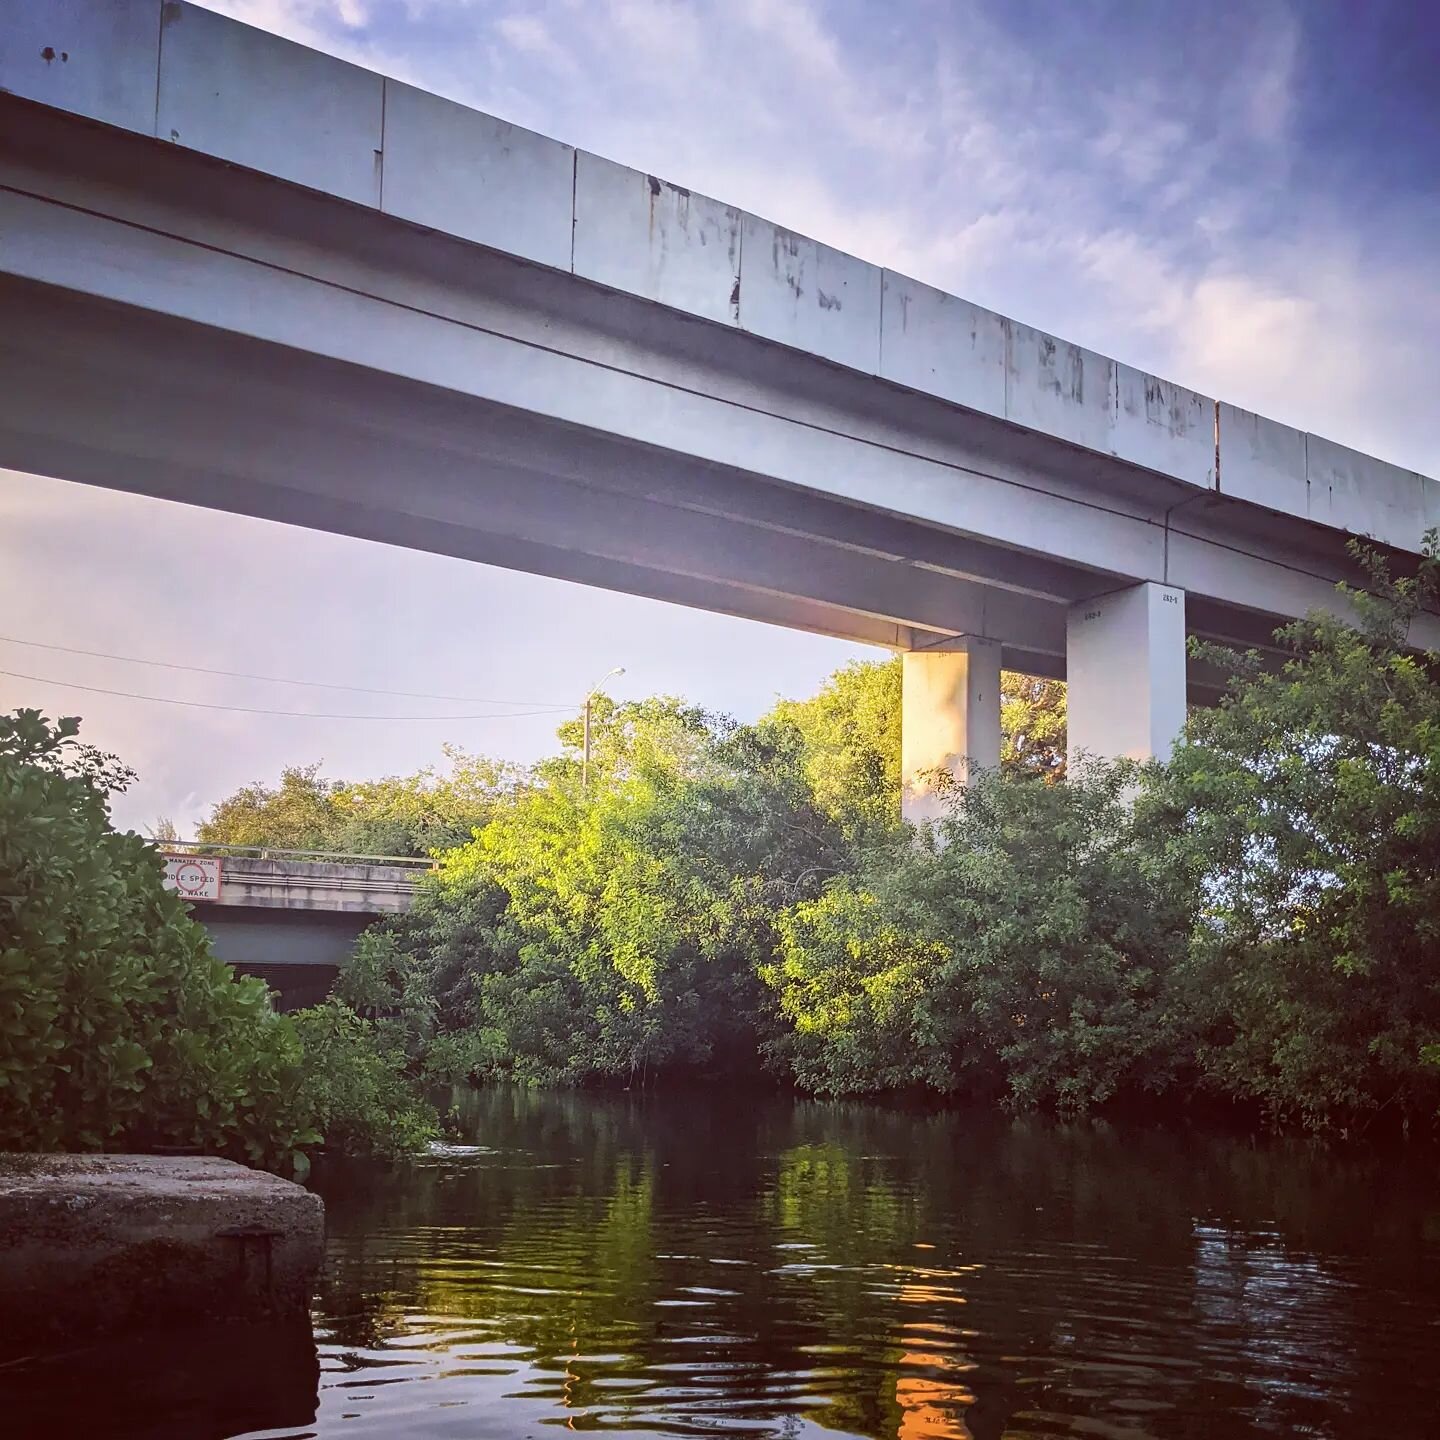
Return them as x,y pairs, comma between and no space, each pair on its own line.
90,1243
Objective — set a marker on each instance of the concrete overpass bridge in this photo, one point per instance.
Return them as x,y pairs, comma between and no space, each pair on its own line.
241,274
290,916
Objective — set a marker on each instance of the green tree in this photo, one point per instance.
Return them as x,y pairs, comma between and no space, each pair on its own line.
1258,920
423,813
850,737
613,932
617,932
409,815
298,814
1307,806
850,732
1032,726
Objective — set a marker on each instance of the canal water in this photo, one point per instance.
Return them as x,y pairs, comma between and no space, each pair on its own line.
721,1264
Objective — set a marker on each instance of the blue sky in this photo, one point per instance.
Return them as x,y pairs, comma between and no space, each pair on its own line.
1241,197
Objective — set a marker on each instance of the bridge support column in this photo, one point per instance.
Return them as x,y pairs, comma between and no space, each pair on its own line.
950,722
1125,663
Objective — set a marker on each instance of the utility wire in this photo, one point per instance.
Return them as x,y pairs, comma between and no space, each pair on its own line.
293,714
272,679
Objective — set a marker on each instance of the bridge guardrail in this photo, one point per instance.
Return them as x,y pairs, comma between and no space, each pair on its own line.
270,852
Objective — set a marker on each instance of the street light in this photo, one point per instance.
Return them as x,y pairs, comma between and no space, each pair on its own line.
594,689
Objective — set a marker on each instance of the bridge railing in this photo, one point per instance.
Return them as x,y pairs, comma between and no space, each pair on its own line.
271,852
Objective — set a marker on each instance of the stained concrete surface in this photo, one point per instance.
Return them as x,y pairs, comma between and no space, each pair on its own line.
95,1243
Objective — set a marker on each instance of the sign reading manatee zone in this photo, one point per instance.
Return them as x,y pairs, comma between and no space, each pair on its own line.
196,877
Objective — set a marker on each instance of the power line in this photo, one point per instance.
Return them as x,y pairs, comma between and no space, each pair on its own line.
292,714
269,679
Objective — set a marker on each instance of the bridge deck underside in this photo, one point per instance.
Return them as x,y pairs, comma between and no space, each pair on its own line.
168,409
178,328
256,936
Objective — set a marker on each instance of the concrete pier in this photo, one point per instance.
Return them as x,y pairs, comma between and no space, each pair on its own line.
1125,662
94,1243
951,722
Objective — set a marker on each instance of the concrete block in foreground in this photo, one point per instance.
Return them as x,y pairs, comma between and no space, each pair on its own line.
93,1242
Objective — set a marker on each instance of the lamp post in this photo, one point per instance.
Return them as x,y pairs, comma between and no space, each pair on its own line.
585,757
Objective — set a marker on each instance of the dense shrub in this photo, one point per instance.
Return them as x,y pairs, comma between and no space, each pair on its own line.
1257,921
118,1027
1307,806
1023,950
353,1091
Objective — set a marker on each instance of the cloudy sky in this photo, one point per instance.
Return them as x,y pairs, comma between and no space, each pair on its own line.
1243,197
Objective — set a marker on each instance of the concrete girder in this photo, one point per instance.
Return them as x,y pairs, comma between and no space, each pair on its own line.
1002,512
230,96
148,417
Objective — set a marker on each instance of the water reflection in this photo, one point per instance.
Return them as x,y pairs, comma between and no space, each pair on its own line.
203,1383
695,1265
759,1267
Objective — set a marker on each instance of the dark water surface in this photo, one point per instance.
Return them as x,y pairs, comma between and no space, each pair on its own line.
729,1265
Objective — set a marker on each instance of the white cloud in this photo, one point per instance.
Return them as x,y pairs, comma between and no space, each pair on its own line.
1265,83
309,22
657,32
528,35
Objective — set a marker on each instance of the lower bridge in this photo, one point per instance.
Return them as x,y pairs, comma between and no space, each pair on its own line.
289,916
